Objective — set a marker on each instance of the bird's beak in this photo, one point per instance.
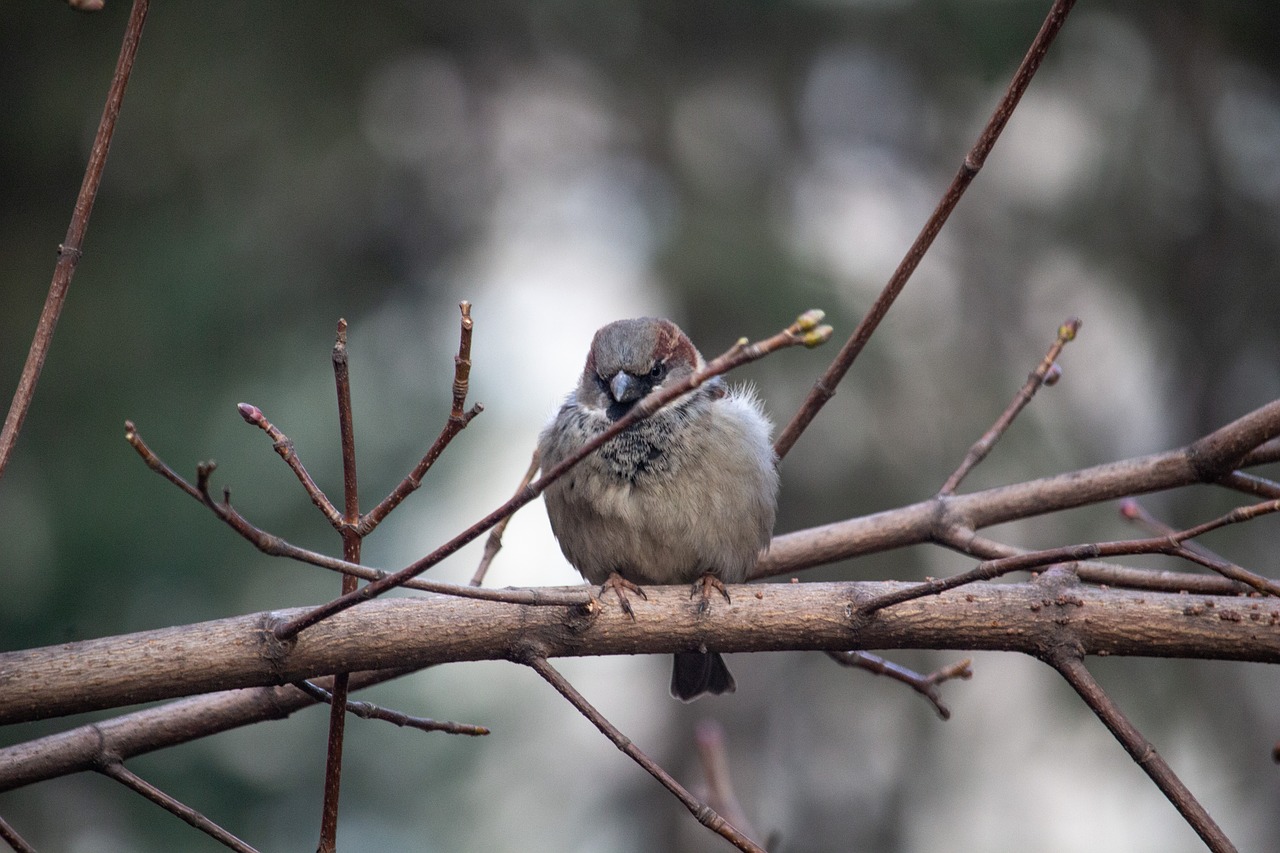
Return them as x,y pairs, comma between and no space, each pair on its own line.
623,387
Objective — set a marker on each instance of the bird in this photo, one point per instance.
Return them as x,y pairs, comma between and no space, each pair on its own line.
687,495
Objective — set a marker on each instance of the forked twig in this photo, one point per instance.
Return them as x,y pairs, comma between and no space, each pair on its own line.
925,685
117,771
1040,376
370,711
825,388
457,422
1072,668
805,331
70,250
704,813
277,547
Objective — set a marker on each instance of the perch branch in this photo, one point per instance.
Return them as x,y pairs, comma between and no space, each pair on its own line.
415,632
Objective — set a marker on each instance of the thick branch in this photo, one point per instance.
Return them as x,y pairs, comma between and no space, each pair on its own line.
242,651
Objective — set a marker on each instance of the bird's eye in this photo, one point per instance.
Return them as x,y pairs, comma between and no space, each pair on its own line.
659,371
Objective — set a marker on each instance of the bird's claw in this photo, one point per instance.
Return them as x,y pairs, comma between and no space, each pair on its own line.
620,587
703,586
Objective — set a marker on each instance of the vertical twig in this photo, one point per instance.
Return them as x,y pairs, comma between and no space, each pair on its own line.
825,388
351,541
70,250
1072,668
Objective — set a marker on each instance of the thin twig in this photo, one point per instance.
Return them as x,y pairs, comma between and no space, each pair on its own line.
966,541
457,422
925,685
283,445
714,758
118,772
10,836
493,544
276,547
370,711
825,388
1072,668
704,813
1066,333
1251,484
805,331
71,249
1172,545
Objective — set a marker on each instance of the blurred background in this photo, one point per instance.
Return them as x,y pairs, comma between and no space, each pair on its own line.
562,164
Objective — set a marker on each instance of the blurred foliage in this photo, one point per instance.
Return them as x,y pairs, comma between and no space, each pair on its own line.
563,163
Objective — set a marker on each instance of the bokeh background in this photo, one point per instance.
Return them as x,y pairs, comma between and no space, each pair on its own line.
562,164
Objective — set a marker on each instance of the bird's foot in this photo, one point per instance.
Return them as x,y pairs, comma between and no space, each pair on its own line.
703,587
620,587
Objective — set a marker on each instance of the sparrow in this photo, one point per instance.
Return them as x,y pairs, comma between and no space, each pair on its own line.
687,495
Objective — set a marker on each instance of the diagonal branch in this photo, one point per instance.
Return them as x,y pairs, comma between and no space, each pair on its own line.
705,815
1072,668
1040,376
70,251
117,771
825,388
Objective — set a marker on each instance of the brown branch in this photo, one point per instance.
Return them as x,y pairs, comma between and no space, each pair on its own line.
1072,668
121,738
457,422
1245,441
369,711
10,836
71,249
283,445
493,544
825,388
1251,484
705,815
117,771
1066,333
276,547
1171,545
351,542
709,739
416,632
925,685
1107,574
805,331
